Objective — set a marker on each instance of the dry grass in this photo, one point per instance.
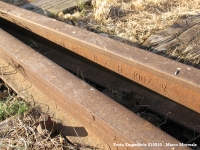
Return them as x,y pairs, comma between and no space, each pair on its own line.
22,134
19,124
133,21
136,20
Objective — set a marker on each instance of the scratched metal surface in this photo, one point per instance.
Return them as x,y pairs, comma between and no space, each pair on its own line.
150,70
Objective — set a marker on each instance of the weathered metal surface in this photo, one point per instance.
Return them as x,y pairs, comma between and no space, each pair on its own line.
46,7
101,117
150,70
109,80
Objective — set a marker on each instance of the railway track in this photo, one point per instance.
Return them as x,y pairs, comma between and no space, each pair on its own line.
102,122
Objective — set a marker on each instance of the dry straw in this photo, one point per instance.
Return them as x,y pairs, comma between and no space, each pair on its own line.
136,20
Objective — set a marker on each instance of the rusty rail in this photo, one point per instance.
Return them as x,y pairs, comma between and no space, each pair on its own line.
174,80
102,123
106,79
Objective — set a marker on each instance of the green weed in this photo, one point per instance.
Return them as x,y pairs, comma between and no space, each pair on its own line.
11,106
80,5
81,8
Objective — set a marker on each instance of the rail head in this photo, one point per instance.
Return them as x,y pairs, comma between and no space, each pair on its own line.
98,114
169,78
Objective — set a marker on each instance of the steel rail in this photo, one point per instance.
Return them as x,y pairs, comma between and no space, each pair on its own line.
171,79
104,121
132,92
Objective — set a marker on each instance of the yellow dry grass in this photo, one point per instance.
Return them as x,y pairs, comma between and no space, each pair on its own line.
136,20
